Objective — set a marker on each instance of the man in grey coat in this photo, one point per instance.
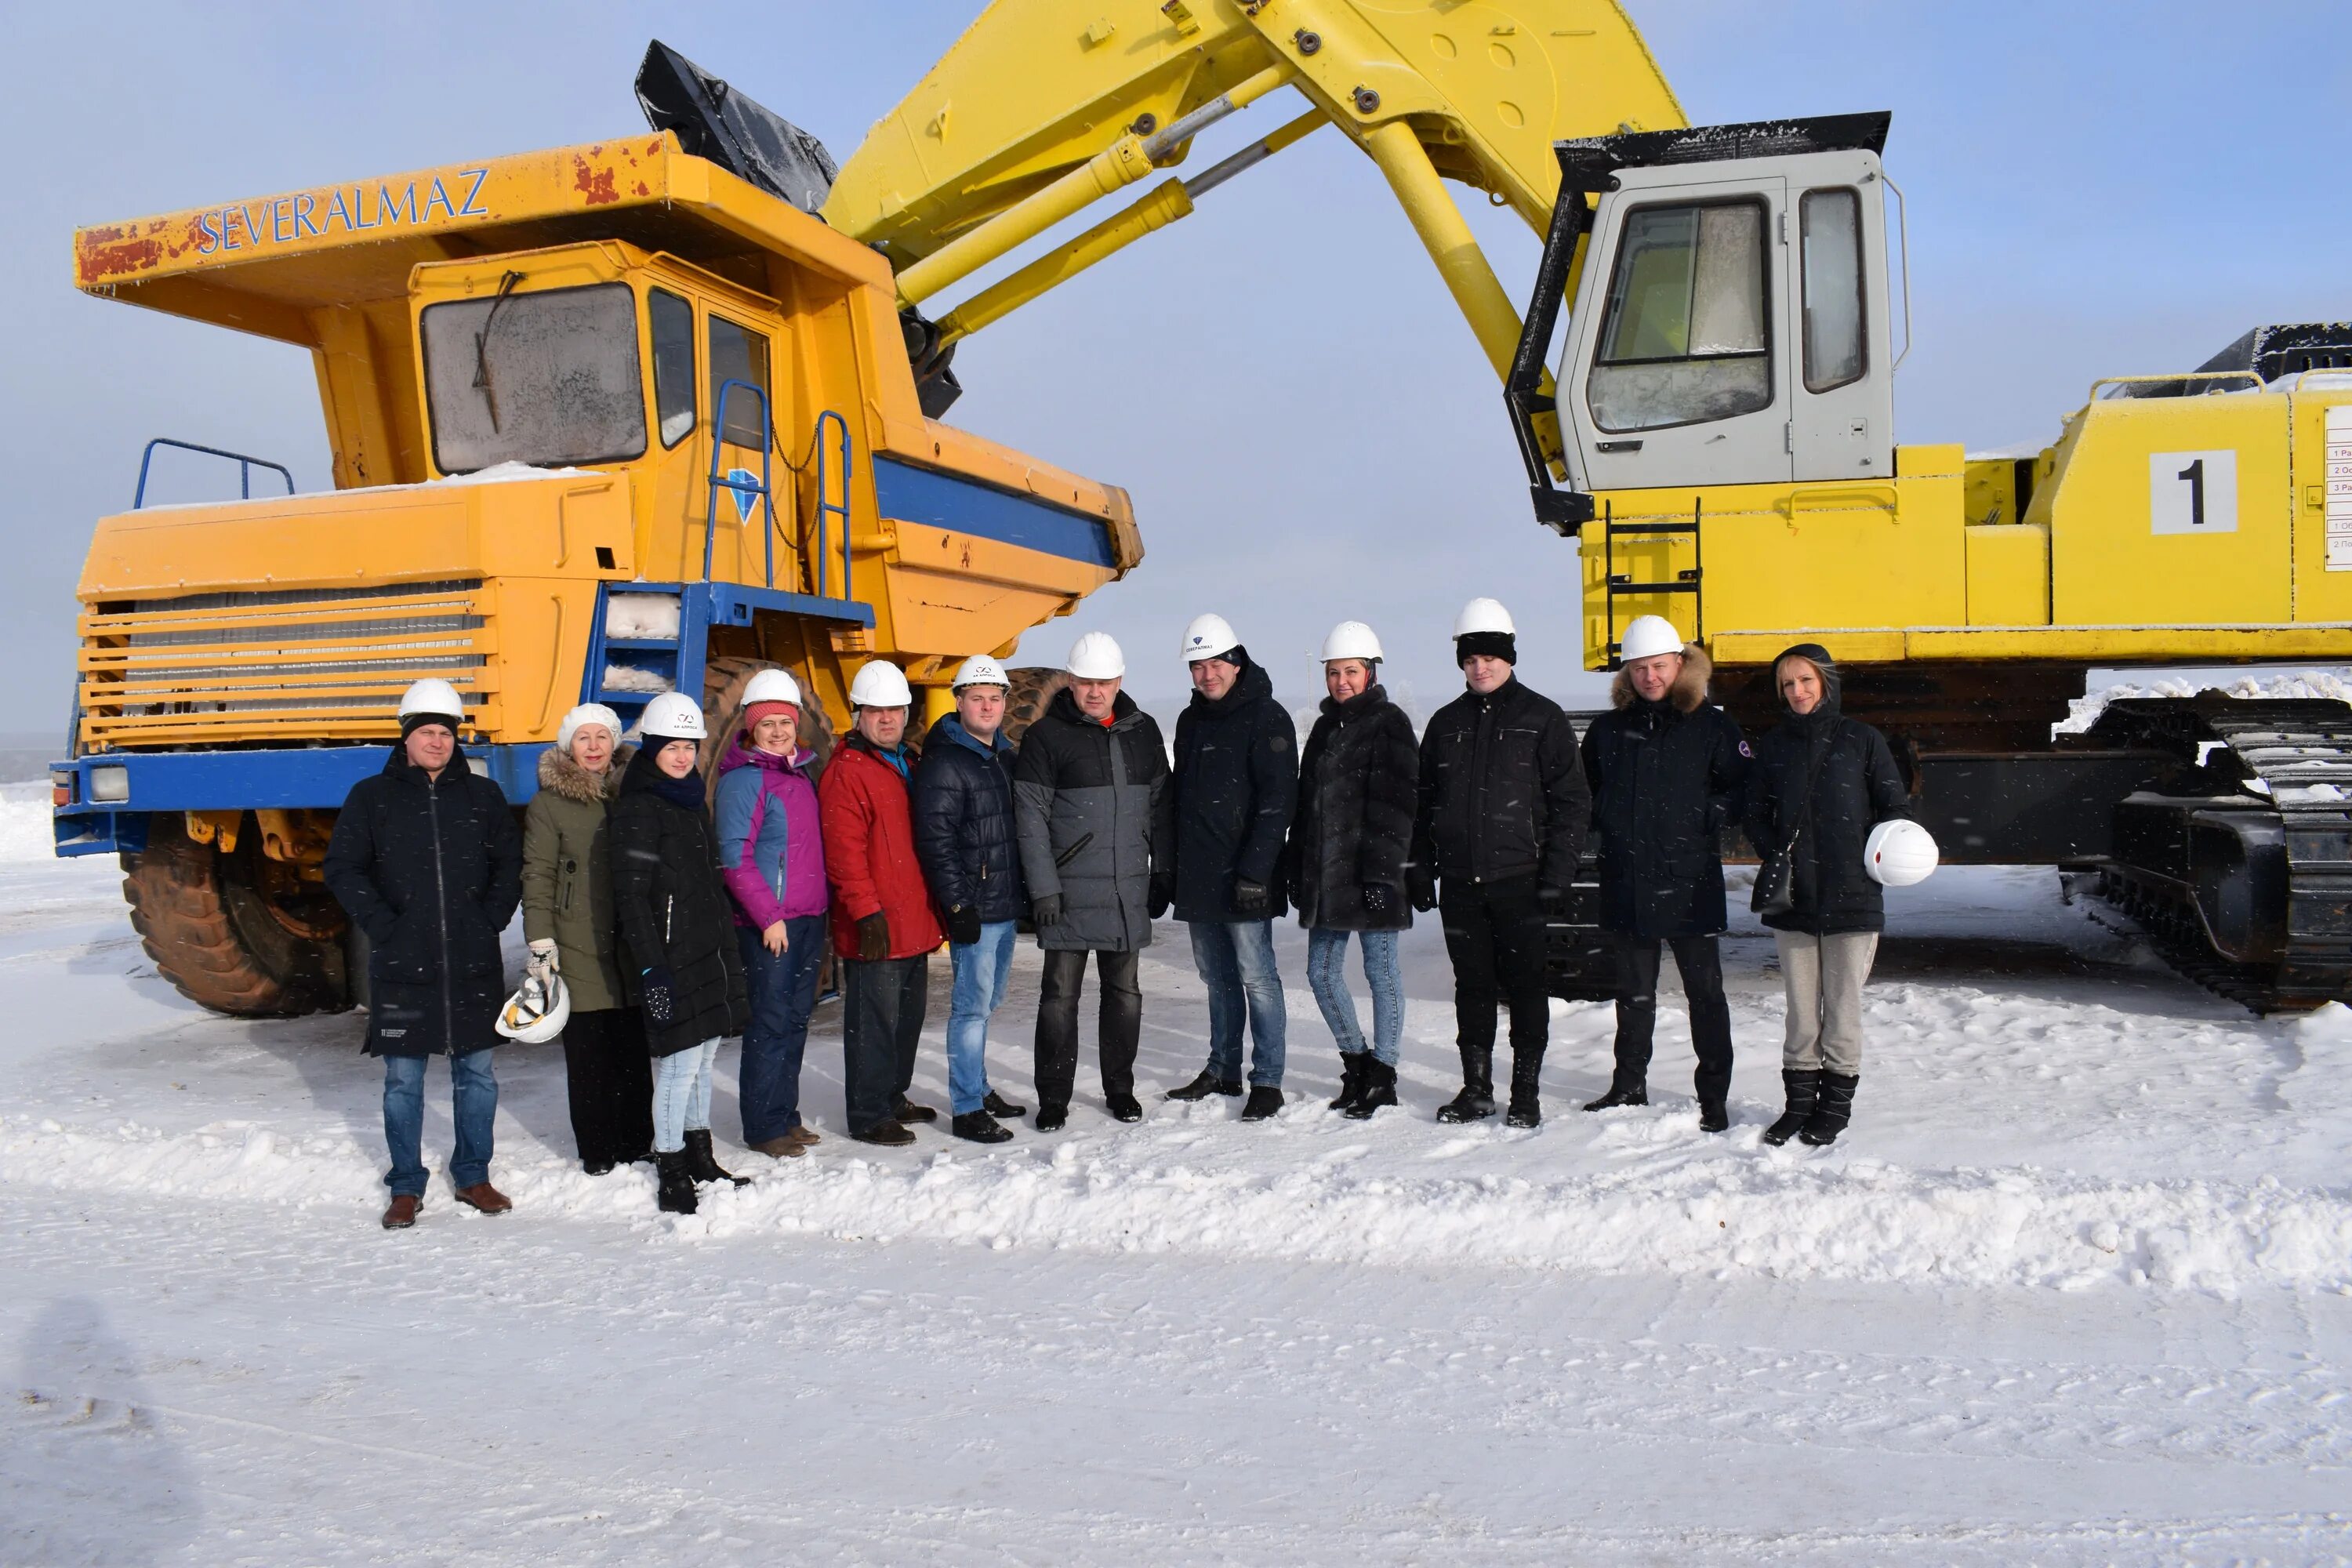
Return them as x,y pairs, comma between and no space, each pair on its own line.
1095,815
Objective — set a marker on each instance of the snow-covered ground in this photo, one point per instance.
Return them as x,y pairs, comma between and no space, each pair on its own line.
2076,1288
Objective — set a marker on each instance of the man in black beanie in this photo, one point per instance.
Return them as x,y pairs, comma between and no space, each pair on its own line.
1502,816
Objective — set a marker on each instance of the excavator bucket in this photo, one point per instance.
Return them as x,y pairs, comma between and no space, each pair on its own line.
745,138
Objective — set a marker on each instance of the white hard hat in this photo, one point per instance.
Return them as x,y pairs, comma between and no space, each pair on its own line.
772,686
1648,636
1899,853
1351,639
584,716
673,716
1096,657
1484,615
435,695
880,684
538,1012
1208,637
981,670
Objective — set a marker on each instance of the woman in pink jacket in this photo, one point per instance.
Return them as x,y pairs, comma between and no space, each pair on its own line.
772,852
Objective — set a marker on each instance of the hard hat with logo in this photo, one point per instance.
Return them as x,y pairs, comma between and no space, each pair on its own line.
1648,636
1351,639
1899,853
880,684
536,1012
981,670
1096,657
1484,615
673,716
434,697
1208,637
772,686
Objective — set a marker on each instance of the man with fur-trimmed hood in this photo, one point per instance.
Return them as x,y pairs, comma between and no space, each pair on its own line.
1666,770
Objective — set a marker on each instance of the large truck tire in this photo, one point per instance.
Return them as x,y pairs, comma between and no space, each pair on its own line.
723,681
213,932
1034,686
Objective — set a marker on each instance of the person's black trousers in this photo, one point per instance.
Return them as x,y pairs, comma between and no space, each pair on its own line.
883,1000
1700,961
610,1076
1495,936
1118,1022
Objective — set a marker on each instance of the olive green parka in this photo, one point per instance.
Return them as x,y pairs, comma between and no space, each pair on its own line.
567,875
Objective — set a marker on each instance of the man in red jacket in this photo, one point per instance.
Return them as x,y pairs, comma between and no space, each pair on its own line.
883,926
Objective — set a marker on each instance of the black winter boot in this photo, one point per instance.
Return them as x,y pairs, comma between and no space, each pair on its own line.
1621,1093
1832,1110
1378,1090
1351,1079
1476,1100
1714,1116
676,1194
1126,1107
1004,1110
1052,1117
1205,1086
1527,1093
978,1127
700,1166
1265,1101
1804,1088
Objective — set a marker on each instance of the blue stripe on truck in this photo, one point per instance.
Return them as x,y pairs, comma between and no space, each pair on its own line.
966,506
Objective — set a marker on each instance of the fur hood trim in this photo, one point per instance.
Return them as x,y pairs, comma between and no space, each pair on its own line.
567,778
1688,693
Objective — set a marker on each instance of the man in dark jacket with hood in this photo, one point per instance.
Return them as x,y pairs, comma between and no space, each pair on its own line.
1666,770
1499,825
1236,785
427,861
971,859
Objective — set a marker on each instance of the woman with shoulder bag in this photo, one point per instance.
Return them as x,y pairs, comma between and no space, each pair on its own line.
1820,782
677,928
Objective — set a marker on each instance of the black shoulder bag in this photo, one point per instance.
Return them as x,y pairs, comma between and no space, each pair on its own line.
1776,879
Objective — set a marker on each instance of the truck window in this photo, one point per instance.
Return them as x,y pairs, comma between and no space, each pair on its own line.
738,353
1685,338
673,324
545,378
1829,224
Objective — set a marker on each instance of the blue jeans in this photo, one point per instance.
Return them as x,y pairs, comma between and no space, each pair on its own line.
473,1106
682,1095
1235,959
783,990
981,969
1327,974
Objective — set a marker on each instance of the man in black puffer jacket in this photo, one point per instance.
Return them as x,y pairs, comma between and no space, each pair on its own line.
971,859
1666,770
1500,824
426,860
1236,784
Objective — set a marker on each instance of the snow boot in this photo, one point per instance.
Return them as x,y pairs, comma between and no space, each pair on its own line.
1527,1093
1804,1088
903,1109
401,1213
676,1193
1004,1110
1265,1101
699,1162
1476,1100
978,1127
1205,1086
1832,1110
1621,1093
1123,1107
597,1167
1379,1089
1351,1081
886,1133
1052,1117
1714,1116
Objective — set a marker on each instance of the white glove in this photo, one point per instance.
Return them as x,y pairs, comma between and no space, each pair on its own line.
543,961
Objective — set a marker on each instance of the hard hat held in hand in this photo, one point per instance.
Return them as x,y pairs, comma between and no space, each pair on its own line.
880,684
1484,615
1899,853
432,695
1096,657
772,686
1649,636
673,716
1208,637
1353,639
981,670
538,1012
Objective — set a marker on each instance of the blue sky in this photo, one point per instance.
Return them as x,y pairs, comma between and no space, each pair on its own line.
1309,432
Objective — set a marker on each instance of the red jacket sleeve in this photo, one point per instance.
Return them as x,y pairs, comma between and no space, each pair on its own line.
845,809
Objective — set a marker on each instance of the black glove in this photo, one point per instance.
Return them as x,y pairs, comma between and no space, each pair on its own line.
1380,900
1251,900
1549,899
963,925
874,937
1045,910
1423,889
1163,894
661,1002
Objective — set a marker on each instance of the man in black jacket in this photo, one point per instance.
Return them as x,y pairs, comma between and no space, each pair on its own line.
427,861
972,860
1236,785
1666,770
1499,825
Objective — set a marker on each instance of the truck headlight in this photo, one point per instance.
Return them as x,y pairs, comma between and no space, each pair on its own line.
109,787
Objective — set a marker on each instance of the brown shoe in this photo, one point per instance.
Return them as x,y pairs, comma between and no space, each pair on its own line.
806,1135
401,1213
784,1148
485,1197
